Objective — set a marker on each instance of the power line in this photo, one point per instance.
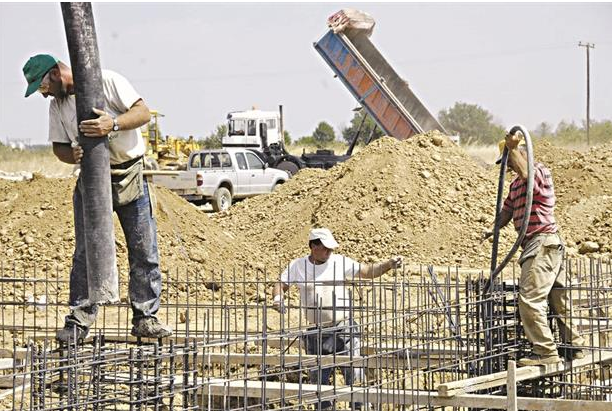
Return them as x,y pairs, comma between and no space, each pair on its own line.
588,46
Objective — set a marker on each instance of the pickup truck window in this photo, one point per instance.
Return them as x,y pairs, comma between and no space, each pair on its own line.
236,127
196,161
254,162
211,160
242,164
252,127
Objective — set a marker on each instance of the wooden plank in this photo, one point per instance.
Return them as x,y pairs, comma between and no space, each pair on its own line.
296,360
523,373
454,352
309,392
512,404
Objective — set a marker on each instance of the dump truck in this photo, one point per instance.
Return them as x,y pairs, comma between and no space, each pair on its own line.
376,86
385,96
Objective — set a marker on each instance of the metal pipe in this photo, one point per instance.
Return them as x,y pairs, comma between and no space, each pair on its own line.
102,277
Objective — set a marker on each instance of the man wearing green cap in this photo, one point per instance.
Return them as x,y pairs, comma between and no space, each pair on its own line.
120,119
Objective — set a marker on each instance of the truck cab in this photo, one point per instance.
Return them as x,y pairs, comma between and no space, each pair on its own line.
253,129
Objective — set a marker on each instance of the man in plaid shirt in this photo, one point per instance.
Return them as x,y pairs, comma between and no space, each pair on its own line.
542,271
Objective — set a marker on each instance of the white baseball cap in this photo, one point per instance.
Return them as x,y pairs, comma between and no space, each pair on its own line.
326,237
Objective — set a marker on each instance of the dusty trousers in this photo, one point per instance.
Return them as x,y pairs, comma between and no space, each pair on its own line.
541,283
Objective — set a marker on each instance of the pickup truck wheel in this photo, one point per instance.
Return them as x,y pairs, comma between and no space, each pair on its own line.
290,167
222,199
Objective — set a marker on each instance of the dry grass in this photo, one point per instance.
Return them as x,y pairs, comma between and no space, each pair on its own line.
35,160
483,154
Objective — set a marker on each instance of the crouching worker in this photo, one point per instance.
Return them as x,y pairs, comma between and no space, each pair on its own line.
322,279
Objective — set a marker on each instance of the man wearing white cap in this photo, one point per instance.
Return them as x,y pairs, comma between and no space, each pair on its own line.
325,299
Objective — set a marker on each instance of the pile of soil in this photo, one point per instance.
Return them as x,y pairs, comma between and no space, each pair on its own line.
583,185
37,230
422,198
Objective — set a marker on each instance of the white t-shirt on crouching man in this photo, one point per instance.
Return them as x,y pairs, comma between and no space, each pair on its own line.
324,296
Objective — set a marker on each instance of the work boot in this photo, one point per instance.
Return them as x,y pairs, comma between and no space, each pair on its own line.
150,327
536,359
71,332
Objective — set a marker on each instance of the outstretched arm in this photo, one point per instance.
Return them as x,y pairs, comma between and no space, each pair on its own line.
377,269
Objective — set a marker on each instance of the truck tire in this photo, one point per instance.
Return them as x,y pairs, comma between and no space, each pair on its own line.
222,199
290,167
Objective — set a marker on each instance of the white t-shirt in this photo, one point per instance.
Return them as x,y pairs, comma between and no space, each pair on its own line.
119,96
319,284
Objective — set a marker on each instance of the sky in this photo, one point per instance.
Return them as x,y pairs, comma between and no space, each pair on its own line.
195,62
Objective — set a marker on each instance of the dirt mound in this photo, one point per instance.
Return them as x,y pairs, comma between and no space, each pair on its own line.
583,185
423,198
577,175
37,230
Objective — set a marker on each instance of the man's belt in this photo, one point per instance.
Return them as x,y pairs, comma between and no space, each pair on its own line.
126,165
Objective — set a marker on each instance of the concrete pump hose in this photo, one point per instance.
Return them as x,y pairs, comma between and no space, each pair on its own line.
528,202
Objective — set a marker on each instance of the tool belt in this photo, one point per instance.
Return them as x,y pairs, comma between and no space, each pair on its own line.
127,181
333,341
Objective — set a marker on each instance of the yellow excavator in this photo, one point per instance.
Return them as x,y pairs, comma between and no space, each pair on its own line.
165,153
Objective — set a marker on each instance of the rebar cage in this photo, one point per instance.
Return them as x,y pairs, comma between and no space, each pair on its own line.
419,338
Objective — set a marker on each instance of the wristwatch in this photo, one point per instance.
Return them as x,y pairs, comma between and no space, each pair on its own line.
115,124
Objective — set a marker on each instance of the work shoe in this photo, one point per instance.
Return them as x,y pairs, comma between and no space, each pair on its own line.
535,359
72,333
150,327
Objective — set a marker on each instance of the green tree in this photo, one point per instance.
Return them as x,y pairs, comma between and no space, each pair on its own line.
323,134
473,124
569,133
543,130
601,132
306,141
214,139
348,133
286,137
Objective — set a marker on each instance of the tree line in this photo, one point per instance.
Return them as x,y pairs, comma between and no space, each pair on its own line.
474,124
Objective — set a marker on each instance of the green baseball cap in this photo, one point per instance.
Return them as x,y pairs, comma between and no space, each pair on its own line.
35,69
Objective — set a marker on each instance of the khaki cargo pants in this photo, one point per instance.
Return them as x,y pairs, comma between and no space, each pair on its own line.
542,275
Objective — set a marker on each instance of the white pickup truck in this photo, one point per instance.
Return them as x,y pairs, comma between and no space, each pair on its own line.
221,175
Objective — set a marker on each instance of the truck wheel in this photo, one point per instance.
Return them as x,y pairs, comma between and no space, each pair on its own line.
290,167
222,199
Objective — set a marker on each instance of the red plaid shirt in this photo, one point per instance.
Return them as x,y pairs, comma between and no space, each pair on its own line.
541,219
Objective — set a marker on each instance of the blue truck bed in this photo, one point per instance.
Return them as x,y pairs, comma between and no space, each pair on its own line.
375,85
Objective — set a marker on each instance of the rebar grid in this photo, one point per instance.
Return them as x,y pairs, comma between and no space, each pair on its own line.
416,328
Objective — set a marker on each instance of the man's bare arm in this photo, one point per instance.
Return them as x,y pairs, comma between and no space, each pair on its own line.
135,117
377,269
64,153
519,163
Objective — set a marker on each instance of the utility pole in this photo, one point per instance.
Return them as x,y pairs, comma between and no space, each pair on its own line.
588,46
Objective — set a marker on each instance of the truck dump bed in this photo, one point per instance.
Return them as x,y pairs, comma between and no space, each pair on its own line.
374,83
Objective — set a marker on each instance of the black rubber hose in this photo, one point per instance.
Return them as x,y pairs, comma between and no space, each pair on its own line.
95,164
495,270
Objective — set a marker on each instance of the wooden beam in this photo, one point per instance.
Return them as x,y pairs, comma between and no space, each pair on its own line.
311,392
498,379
